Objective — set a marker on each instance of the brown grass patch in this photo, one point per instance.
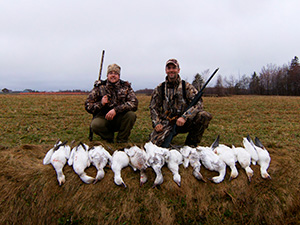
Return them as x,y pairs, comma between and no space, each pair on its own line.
30,193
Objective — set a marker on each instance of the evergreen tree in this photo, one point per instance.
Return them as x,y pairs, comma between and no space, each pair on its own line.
294,77
254,84
198,81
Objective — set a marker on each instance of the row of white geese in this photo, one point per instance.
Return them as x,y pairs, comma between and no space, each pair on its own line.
214,158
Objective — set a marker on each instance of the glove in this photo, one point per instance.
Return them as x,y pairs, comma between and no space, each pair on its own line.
97,83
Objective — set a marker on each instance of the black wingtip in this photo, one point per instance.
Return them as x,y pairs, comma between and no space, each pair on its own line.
216,143
248,138
84,147
61,144
258,143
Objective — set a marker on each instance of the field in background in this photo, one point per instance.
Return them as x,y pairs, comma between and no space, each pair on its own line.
30,125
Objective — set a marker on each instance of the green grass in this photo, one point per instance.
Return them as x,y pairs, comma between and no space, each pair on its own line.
29,192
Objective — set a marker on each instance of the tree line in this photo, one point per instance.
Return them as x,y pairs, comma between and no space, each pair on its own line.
272,80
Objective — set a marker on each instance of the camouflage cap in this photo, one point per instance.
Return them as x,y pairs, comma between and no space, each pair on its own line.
113,67
173,61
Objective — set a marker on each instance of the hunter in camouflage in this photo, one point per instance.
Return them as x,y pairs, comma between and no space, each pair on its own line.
168,103
112,103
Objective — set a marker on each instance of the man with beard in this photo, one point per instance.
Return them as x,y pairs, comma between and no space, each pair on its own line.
167,107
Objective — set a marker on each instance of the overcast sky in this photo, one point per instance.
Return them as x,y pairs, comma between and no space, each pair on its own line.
56,45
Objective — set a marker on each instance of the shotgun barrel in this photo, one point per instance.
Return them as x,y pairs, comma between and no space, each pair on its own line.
101,64
173,133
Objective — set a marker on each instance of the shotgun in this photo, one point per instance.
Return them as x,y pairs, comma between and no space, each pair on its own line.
173,133
99,78
101,64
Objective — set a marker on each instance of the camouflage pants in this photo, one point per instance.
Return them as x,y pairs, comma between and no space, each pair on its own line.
122,122
195,129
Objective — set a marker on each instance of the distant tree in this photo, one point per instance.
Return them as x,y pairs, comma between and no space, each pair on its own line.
28,90
266,77
219,86
230,85
294,77
205,73
198,81
281,86
5,90
254,84
242,85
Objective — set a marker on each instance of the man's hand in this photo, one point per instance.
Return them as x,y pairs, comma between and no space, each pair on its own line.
158,128
104,100
180,121
110,115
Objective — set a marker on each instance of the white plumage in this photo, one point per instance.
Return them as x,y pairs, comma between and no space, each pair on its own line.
58,156
244,159
212,162
155,159
192,157
120,160
173,160
138,160
99,157
264,158
249,146
226,154
79,159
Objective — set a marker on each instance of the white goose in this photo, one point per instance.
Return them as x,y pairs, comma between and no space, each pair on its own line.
264,158
191,156
249,146
79,159
227,155
120,160
99,157
173,160
58,156
155,159
244,159
212,161
138,160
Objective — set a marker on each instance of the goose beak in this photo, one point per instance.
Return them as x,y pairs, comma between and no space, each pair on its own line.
198,175
249,178
266,176
124,185
155,185
142,183
232,177
61,182
95,181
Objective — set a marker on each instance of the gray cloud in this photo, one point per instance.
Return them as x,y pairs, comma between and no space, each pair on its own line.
57,45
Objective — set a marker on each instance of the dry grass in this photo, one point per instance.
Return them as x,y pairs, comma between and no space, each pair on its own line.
30,193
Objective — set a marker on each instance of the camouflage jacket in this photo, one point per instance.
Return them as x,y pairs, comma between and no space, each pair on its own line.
121,98
173,103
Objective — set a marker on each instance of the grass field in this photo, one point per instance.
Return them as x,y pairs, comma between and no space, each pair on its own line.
30,194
